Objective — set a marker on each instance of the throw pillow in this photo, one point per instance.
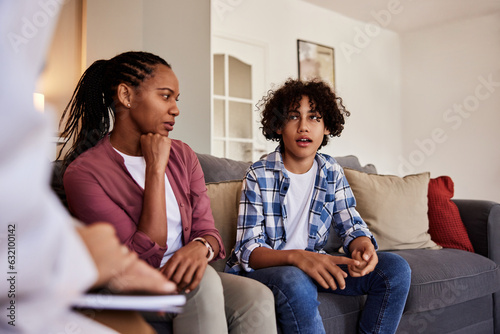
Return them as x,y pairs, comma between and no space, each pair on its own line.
445,225
224,202
394,208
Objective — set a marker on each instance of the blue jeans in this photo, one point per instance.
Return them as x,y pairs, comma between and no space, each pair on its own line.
296,296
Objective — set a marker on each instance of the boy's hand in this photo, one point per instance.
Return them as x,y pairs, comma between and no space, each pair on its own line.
324,268
363,251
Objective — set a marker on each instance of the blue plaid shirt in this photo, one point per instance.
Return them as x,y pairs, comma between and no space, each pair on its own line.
262,218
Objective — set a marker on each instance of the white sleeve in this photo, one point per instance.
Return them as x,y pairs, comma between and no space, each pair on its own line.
43,262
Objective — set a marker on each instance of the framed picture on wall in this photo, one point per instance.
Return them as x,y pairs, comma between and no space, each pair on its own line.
316,62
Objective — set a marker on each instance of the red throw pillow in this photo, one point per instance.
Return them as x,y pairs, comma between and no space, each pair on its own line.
445,225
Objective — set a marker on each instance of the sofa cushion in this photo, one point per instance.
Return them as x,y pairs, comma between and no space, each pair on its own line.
224,201
445,225
394,208
446,277
218,169
221,169
352,162
473,316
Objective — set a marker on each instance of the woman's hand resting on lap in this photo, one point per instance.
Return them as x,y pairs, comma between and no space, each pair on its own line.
187,266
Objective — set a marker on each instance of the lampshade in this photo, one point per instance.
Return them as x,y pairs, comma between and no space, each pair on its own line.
39,102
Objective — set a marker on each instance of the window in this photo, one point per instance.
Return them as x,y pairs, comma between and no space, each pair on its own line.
232,106
238,84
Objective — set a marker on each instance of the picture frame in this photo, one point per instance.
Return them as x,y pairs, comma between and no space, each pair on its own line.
316,61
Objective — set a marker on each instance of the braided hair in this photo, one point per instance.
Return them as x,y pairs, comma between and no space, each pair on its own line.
92,105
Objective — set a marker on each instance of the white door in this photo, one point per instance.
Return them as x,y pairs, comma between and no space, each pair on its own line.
238,84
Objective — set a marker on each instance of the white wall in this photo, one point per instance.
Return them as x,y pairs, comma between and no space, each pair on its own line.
63,63
398,88
402,90
451,118
368,79
178,31
105,34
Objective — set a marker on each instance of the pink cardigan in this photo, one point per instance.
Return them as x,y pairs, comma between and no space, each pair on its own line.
99,188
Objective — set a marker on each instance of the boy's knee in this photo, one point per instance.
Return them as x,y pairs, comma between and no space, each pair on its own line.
396,268
403,267
293,284
289,275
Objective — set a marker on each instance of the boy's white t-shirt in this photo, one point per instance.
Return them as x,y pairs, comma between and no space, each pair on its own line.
298,202
136,166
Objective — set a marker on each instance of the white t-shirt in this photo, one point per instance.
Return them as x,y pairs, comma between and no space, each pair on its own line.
136,166
298,202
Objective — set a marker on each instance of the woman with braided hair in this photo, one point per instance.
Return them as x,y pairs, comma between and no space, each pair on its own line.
152,189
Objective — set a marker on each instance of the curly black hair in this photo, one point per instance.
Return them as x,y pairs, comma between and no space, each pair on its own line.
277,103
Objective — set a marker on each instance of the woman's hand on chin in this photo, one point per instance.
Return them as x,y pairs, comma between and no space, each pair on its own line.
156,150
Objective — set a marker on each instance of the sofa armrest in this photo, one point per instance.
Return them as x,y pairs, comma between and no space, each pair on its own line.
482,221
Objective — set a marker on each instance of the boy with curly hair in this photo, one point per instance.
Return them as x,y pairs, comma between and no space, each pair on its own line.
292,200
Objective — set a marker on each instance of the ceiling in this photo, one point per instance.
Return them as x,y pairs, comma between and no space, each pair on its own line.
410,15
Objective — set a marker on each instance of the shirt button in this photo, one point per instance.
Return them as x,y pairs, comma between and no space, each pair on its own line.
185,228
182,205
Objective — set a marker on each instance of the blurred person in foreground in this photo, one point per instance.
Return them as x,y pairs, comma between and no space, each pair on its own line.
52,259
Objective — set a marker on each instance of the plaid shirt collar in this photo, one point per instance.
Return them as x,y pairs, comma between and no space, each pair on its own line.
274,162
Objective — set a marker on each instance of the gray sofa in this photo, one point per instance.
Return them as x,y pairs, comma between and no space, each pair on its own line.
452,291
